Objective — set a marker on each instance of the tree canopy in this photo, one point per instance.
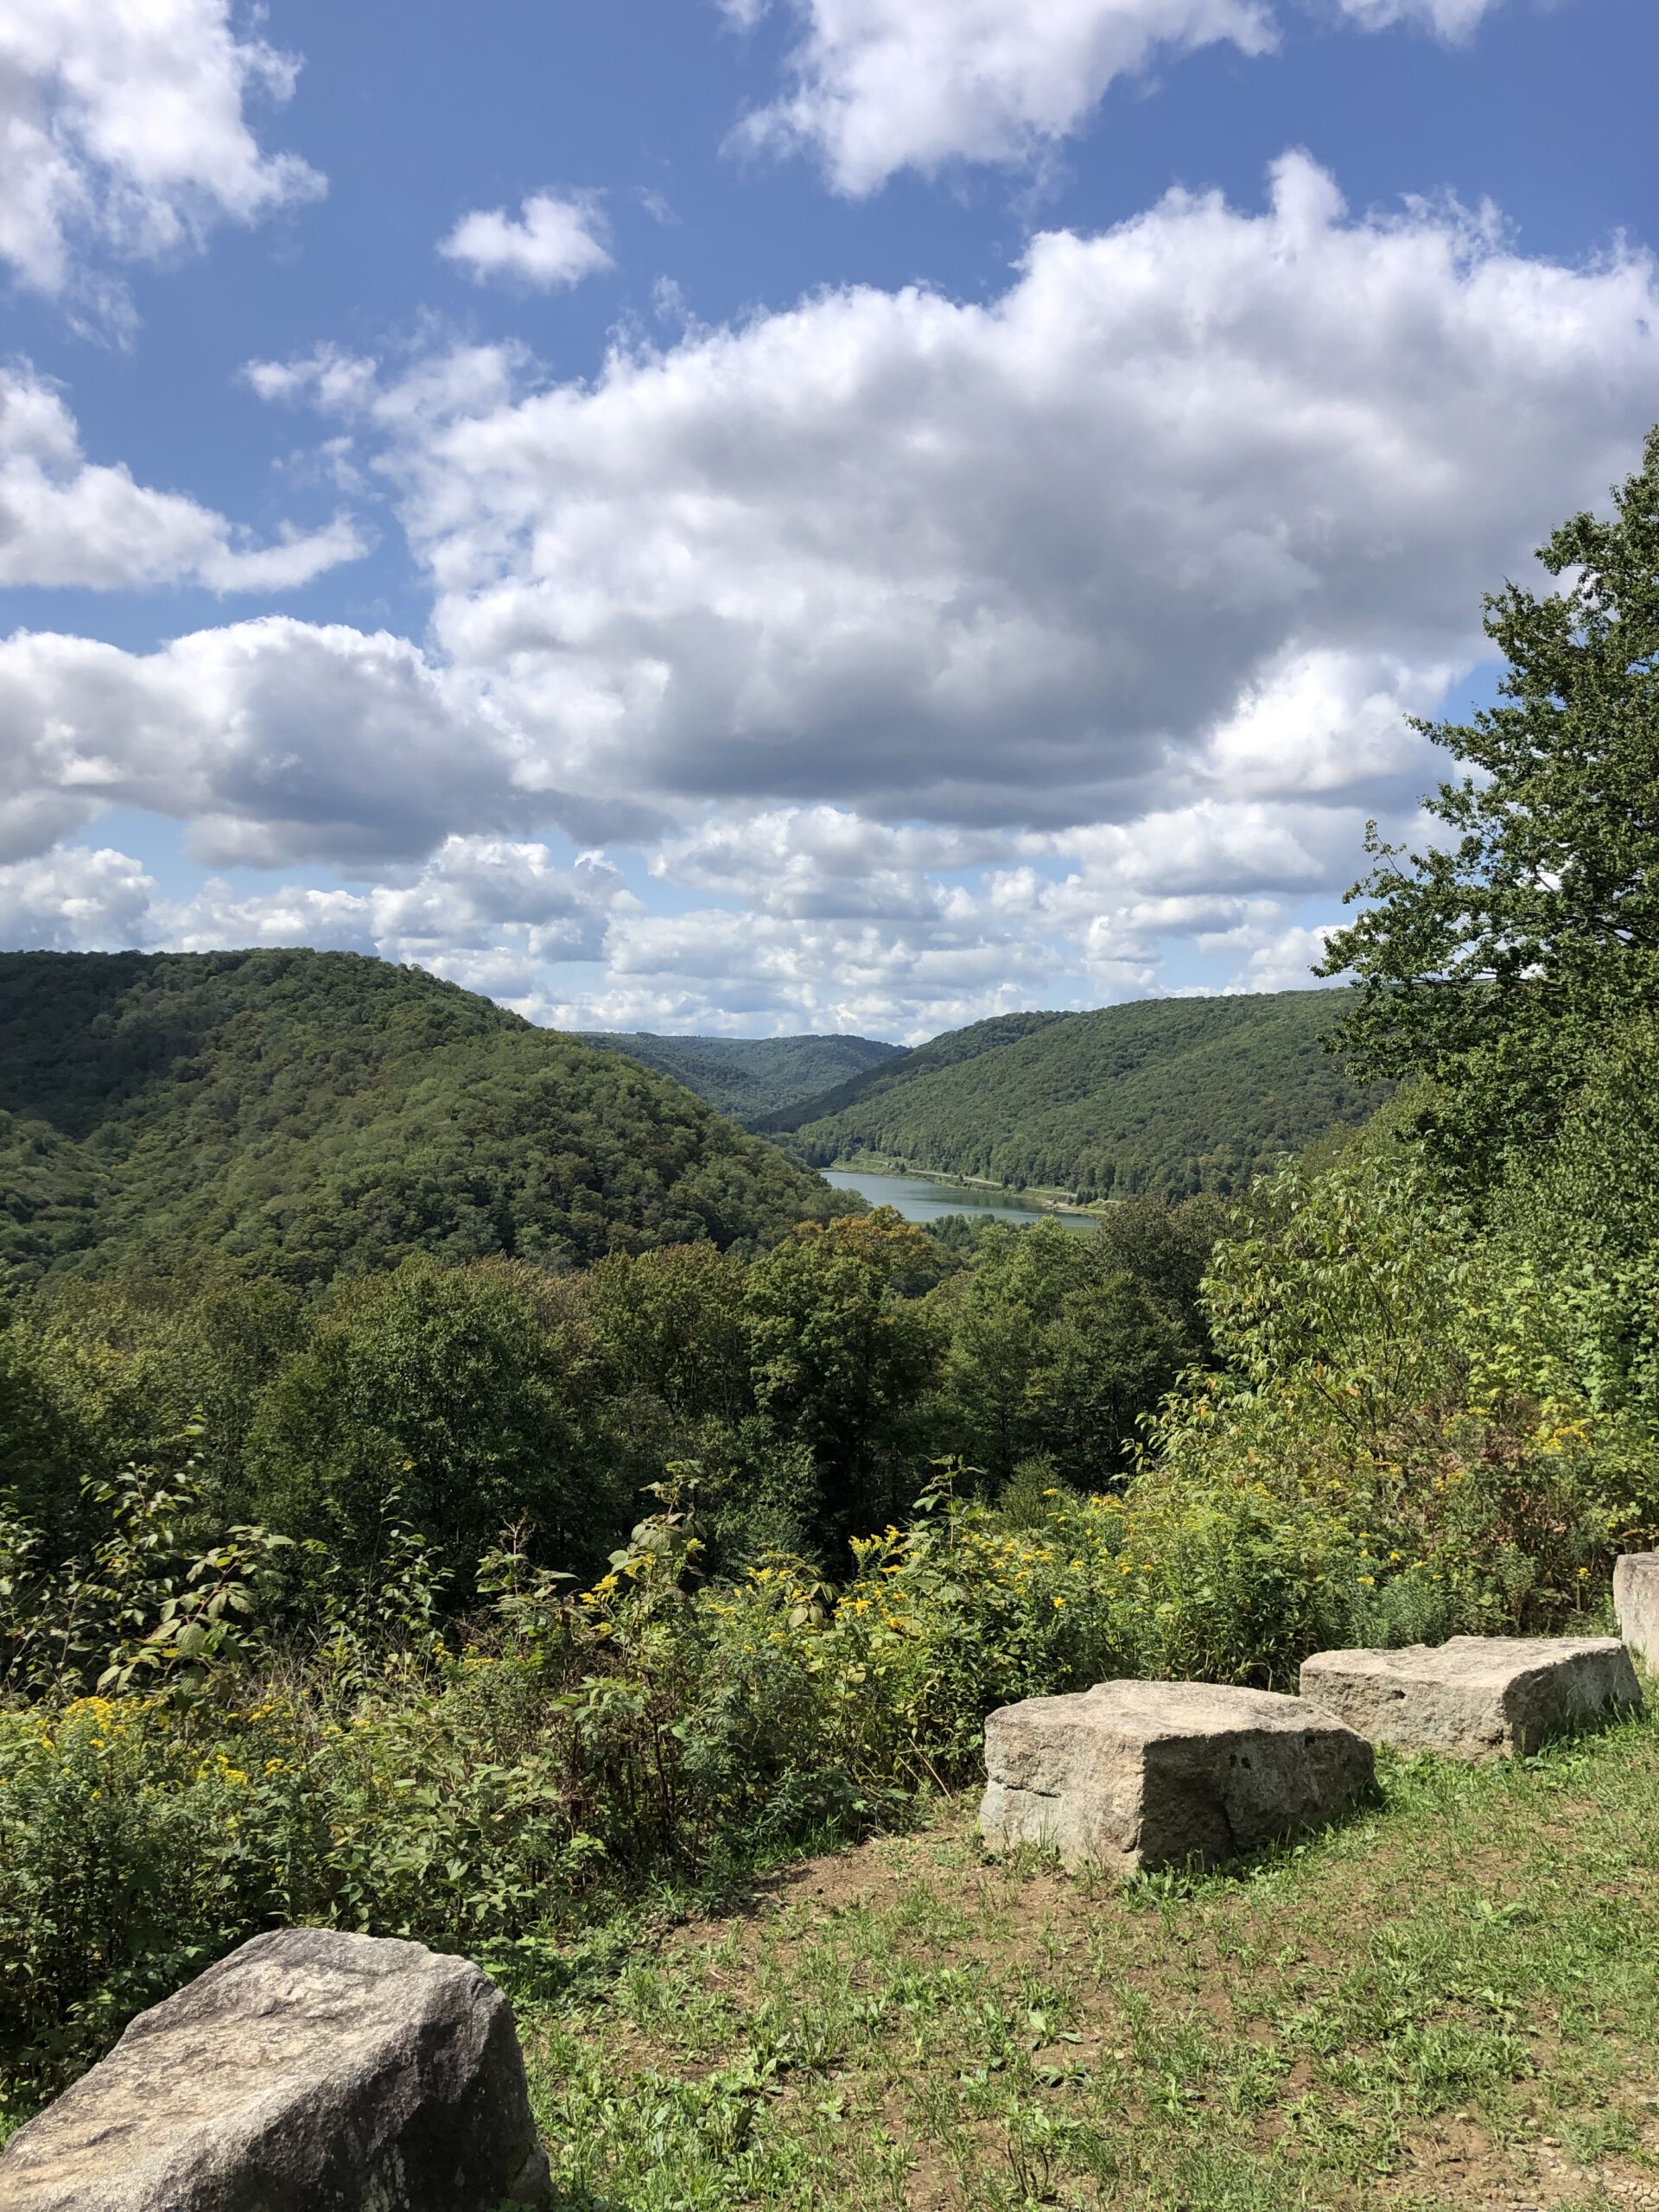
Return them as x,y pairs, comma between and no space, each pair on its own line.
1490,963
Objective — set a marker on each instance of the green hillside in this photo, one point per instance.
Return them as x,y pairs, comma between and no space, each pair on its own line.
750,1078
952,1050
1167,1095
304,1115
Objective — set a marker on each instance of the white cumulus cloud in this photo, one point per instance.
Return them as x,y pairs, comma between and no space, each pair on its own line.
276,740
766,971
66,520
884,85
124,132
552,242
825,861
489,912
75,899
879,85
1206,501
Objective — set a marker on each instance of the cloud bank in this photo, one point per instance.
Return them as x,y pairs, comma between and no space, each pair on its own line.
939,656
1202,503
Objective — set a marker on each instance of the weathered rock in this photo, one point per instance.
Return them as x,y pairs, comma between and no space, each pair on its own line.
309,2071
1636,1603
1475,1697
1131,1775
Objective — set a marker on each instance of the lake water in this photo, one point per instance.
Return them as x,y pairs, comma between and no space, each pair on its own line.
919,1198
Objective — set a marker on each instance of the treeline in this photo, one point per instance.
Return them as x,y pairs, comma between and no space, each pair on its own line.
297,1116
1170,1095
804,1395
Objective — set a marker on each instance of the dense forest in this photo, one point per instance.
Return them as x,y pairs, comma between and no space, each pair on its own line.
304,1115
481,1599
953,1049
1172,1096
750,1078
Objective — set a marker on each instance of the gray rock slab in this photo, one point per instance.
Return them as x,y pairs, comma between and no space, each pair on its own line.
309,2071
1636,1603
1475,1697
1133,1775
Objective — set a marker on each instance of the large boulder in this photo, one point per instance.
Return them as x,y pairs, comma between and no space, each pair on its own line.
1133,1775
1475,1697
309,2071
1636,1603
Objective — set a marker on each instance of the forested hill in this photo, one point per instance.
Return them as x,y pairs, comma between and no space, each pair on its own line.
1167,1095
749,1078
948,1051
304,1115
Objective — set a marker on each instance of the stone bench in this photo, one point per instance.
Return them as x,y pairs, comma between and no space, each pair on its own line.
309,2071
1133,1775
1475,1697
1636,1603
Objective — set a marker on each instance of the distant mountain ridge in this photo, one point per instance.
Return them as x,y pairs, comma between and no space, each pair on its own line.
750,1078
1172,1096
306,1114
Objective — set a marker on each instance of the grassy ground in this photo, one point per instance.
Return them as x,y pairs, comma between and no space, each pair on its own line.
1450,2001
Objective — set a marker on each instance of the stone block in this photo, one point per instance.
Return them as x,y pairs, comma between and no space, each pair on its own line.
1475,1697
1636,1604
309,2071
1133,1775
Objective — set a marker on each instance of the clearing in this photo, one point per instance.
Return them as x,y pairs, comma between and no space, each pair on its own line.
1449,2001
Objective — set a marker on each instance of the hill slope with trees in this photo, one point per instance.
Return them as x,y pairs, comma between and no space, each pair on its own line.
304,1115
1172,1096
750,1078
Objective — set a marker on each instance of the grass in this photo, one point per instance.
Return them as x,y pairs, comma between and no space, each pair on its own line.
1450,2001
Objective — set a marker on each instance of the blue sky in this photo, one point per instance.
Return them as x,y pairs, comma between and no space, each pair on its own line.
841,514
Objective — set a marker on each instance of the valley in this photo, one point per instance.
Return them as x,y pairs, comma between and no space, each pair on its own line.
922,1198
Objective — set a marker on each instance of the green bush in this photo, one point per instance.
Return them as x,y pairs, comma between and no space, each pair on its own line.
464,1393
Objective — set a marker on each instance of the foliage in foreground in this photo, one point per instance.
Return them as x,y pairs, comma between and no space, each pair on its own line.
811,1385
488,1792
1403,1430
